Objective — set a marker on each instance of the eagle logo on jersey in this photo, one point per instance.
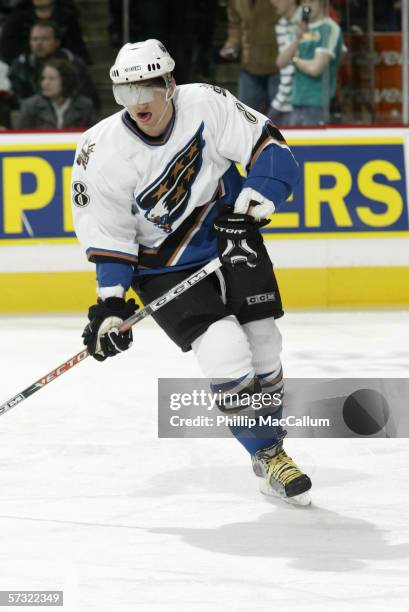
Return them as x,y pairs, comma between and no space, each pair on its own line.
166,199
85,153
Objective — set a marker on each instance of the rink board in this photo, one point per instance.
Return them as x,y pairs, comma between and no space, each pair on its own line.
341,241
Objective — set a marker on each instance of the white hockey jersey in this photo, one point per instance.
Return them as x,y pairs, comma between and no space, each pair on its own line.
152,202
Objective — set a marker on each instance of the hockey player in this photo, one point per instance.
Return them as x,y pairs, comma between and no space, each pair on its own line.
156,194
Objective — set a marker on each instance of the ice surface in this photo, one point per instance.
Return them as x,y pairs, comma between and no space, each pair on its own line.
92,502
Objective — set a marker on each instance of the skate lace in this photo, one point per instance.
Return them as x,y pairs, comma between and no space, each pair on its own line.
282,468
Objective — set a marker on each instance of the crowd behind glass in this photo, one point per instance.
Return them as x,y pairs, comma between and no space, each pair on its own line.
300,62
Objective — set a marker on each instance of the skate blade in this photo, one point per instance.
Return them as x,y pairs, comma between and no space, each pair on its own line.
303,499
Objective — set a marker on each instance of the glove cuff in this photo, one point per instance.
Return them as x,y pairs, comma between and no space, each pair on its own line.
114,304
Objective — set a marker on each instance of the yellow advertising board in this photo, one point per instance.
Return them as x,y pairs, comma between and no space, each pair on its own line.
342,240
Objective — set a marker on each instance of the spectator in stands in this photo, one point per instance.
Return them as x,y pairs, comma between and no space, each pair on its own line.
58,106
316,55
45,44
251,29
15,34
289,13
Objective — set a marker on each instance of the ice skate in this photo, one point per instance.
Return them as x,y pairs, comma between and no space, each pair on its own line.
279,476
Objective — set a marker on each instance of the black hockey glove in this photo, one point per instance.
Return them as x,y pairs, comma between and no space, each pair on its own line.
101,335
239,241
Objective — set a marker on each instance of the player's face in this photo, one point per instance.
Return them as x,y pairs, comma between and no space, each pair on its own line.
152,113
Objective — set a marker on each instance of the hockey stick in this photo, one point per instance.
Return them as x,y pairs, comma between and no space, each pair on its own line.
167,297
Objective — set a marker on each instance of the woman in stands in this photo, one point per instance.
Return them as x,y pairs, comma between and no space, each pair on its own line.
58,106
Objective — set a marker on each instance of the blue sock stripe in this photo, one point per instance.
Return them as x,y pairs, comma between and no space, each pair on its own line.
231,384
275,375
266,374
236,397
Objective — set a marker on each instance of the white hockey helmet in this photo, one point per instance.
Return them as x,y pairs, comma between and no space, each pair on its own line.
136,62
147,59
